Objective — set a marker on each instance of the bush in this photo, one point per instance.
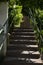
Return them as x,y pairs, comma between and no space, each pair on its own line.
16,14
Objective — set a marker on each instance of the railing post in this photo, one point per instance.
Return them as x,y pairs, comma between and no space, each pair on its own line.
5,40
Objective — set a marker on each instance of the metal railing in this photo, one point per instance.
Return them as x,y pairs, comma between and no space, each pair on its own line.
31,14
3,38
4,30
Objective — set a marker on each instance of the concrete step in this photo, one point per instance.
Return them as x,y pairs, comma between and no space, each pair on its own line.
24,54
21,61
29,42
19,37
21,29
23,33
22,47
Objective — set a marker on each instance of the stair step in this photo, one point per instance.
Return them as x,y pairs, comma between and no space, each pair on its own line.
21,61
23,47
20,30
23,33
22,37
24,54
32,42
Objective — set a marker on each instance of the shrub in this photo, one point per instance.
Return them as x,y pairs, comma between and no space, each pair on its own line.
16,14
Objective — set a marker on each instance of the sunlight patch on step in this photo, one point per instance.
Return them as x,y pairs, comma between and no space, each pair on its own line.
21,58
30,52
31,45
24,52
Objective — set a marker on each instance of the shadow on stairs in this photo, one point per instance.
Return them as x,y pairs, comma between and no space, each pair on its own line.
22,48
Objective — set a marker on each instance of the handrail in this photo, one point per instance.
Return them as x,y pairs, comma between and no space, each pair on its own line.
3,34
34,22
2,28
11,24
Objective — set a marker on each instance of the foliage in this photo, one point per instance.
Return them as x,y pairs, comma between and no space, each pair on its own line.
15,12
42,32
31,4
41,14
12,2
36,20
17,15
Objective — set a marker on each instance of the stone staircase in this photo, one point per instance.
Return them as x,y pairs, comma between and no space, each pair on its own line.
22,48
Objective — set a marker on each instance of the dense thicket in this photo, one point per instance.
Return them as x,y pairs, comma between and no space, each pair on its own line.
32,4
